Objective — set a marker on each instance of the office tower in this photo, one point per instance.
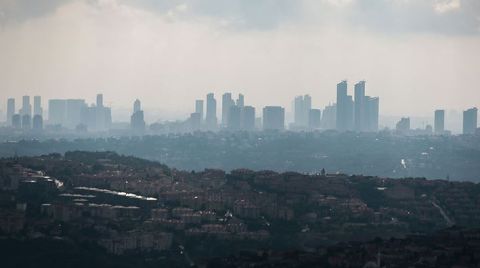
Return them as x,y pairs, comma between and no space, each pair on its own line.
302,106
240,101
73,113
211,113
314,118
227,102
248,118
26,106
359,112
137,106
56,111
273,118
403,126
137,120
10,110
439,122
26,122
37,106
195,121
99,100
17,121
37,123
329,117
371,114
345,109
199,108
234,118
470,121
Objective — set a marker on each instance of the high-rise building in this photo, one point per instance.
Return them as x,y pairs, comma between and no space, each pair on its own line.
57,111
403,126
248,118
329,117
359,106
314,118
439,122
17,121
199,108
211,113
273,118
241,101
26,122
234,118
74,109
302,106
371,114
227,102
137,106
470,121
37,106
26,106
37,123
195,121
99,100
10,110
345,109
137,121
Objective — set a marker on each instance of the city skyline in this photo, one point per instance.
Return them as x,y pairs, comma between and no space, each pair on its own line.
418,50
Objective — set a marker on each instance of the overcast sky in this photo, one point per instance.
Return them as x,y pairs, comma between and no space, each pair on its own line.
417,55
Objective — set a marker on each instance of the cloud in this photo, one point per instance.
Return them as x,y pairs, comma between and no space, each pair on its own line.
442,6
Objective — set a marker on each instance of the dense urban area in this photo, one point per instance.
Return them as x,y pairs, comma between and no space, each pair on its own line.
108,210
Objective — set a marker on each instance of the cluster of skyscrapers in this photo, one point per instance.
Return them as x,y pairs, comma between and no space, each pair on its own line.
359,113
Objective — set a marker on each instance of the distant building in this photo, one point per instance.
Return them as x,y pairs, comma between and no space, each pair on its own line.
195,121
240,101
37,106
248,118
329,117
26,122
301,108
403,126
273,118
342,116
314,118
227,102
371,114
470,121
17,121
199,108
234,118
211,113
439,122
137,121
360,111
10,110
37,123
26,106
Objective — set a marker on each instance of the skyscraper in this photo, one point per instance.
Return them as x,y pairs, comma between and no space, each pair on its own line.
439,124
329,117
470,121
211,113
199,108
37,123
99,100
241,101
371,114
137,106
273,118
234,117
314,118
26,122
10,110
227,102
57,111
360,106
403,126
17,121
302,106
344,117
37,106
248,118
26,106
137,121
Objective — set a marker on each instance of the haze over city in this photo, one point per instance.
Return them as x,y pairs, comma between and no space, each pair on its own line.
417,56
